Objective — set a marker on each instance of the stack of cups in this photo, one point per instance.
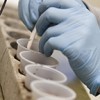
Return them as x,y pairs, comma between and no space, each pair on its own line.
42,78
32,56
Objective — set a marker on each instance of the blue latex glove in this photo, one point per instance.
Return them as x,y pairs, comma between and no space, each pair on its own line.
28,12
29,9
76,34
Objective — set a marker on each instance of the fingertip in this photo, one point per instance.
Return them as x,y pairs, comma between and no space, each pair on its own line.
48,50
27,23
48,53
29,26
41,48
40,28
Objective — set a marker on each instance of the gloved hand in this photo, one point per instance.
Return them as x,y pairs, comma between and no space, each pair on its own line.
29,9
75,32
28,12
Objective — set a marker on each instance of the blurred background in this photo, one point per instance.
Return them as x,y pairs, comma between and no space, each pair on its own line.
14,3
95,2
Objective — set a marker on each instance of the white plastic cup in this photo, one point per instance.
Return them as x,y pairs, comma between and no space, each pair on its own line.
51,89
30,57
51,98
22,46
40,72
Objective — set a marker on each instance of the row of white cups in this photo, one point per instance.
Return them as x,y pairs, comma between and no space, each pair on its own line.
42,78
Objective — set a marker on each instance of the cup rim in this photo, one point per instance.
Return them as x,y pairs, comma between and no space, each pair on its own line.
21,57
64,80
18,40
21,53
51,98
32,85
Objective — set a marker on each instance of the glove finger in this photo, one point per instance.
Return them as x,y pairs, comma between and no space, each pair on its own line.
57,30
24,13
51,32
49,46
52,16
33,10
62,43
63,4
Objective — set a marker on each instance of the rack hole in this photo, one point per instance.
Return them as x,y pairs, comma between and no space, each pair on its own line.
14,45
17,35
25,87
16,57
14,24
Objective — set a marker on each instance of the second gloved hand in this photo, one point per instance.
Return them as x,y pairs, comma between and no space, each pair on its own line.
76,34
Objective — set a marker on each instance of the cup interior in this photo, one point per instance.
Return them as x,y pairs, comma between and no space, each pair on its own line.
45,72
23,44
30,56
